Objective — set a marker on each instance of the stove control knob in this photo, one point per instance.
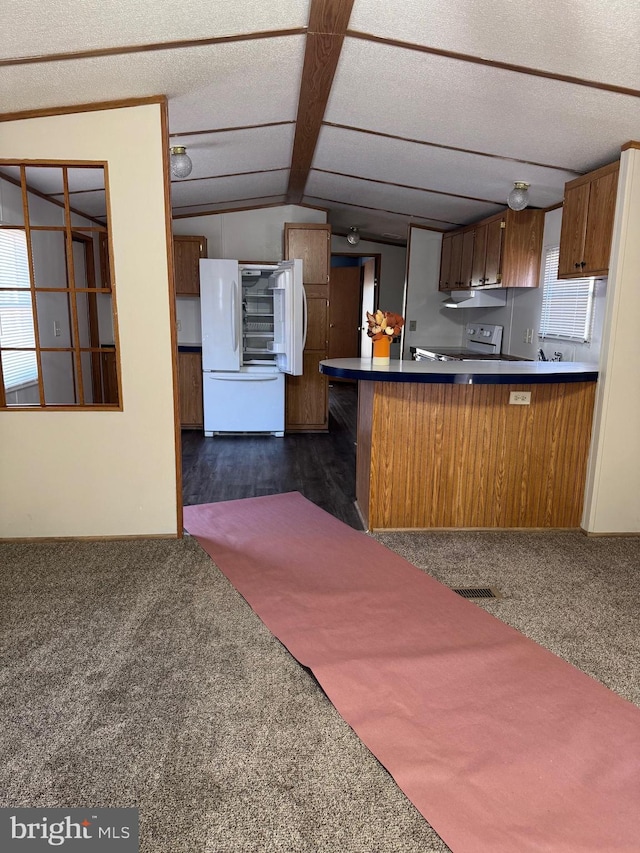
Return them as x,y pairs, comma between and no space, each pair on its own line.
471,331
486,333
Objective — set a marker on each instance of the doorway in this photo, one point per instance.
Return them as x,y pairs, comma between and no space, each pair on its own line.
353,290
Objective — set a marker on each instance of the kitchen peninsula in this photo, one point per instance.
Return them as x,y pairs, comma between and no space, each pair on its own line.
440,445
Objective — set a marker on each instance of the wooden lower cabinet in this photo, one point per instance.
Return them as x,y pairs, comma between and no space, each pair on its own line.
190,390
460,456
307,396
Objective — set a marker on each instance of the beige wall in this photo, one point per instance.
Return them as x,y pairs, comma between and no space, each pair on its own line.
104,473
612,502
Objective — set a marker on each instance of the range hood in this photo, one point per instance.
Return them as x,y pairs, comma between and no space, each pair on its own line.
476,299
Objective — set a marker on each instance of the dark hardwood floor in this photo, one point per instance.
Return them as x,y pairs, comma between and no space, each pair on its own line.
322,467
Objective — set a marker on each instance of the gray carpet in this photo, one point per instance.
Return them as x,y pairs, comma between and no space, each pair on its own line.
134,675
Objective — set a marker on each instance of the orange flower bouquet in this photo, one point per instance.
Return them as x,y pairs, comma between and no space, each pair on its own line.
384,327
384,323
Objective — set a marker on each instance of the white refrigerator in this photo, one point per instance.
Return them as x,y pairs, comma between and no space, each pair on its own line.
253,319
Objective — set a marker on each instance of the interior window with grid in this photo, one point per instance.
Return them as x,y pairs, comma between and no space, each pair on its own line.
58,345
567,306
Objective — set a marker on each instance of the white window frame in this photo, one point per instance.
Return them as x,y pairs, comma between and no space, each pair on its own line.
19,369
567,305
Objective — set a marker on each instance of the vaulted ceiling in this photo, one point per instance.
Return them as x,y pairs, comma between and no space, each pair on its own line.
383,113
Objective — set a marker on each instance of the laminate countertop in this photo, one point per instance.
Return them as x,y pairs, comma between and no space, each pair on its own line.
480,372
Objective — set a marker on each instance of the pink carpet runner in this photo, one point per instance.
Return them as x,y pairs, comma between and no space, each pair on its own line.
501,745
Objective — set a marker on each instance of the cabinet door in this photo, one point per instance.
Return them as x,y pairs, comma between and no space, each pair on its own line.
312,243
307,396
466,260
445,262
597,243
573,230
479,256
456,262
190,390
187,252
493,258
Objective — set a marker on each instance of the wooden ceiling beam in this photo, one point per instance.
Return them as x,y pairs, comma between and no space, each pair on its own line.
328,21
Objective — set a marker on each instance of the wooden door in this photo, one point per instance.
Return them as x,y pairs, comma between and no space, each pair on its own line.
466,259
493,258
187,252
597,243
456,261
479,256
345,294
445,262
573,230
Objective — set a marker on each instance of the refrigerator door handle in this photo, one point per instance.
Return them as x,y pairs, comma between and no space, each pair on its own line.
234,321
305,317
241,377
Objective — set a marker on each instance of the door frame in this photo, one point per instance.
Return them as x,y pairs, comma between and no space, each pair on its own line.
377,257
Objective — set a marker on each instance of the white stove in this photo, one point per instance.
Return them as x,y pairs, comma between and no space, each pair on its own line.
481,340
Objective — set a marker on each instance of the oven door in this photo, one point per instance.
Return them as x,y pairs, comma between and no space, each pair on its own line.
429,355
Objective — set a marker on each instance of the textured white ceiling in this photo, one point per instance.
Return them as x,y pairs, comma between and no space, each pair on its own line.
444,100
217,190
449,211
239,204
36,28
214,86
502,115
591,39
490,178
238,151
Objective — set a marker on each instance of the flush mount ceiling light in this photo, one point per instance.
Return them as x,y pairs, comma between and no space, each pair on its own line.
519,196
353,237
181,164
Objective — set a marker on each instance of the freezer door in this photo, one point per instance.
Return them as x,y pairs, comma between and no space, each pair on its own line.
251,400
290,316
220,314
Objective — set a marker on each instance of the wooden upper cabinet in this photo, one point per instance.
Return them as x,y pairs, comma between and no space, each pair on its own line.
445,261
522,248
479,256
456,260
312,243
587,223
466,258
493,252
187,252
501,251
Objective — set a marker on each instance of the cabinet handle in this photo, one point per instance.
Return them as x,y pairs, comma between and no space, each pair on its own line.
577,265
583,263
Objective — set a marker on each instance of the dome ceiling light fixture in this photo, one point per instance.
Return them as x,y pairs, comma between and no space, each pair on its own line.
353,237
181,164
519,196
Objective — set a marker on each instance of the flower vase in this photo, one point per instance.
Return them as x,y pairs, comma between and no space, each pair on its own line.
381,350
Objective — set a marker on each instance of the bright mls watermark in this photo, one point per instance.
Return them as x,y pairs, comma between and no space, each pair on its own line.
73,830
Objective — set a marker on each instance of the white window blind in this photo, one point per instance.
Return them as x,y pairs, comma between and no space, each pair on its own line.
567,306
16,315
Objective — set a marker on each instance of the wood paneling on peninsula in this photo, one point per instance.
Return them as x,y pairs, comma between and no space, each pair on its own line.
443,456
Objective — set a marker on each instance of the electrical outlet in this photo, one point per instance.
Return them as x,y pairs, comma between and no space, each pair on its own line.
413,325
528,336
56,328
520,398
178,325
